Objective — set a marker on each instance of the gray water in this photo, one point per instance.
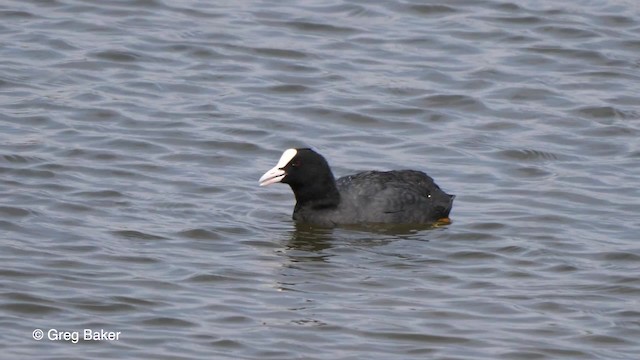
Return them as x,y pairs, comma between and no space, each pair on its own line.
133,133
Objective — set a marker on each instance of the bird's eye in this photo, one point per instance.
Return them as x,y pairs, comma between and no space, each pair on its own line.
296,163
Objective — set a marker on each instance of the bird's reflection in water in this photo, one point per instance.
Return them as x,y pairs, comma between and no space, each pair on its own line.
308,243
311,243
312,254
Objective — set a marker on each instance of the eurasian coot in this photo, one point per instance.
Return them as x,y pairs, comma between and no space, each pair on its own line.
371,197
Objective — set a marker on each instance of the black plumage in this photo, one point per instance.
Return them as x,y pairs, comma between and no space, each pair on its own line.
371,197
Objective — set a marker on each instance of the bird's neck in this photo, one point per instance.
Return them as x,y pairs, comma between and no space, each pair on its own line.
318,195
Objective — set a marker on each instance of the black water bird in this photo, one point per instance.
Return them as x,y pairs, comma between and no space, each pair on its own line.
371,197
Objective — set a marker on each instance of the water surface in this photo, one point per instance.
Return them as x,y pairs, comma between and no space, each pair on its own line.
132,135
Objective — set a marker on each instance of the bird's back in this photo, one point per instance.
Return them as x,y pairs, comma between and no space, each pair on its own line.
400,196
